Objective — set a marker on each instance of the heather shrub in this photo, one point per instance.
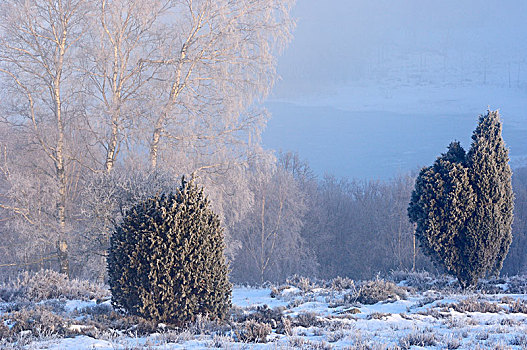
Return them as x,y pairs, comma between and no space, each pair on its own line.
474,305
517,285
306,319
420,338
5,332
420,280
125,324
40,321
49,284
372,292
519,340
300,282
263,314
518,306
340,283
253,332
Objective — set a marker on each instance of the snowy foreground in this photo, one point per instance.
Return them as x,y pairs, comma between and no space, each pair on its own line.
416,312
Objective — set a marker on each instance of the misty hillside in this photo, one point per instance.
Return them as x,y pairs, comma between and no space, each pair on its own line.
407,79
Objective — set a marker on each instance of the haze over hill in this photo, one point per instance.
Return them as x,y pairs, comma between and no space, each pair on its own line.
372,89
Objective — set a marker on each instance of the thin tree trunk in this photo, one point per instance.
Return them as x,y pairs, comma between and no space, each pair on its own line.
414,252
111,153
262,241
154,146
116,106
62,246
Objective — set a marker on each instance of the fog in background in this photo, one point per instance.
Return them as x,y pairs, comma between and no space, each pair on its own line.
371,89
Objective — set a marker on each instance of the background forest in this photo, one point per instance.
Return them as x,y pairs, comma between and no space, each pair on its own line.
107,102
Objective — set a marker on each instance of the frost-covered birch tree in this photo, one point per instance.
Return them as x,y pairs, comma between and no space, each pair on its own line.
219,60
37,46
123,35
90,85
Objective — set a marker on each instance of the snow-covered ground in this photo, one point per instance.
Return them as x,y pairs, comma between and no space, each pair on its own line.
415,313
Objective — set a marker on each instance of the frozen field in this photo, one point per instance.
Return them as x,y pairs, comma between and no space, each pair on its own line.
416,312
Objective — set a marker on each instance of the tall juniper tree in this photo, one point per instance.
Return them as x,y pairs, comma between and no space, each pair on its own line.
463,204
490,175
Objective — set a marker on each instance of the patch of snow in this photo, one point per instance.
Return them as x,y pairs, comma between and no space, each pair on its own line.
251,297
72,305
78,327
290,290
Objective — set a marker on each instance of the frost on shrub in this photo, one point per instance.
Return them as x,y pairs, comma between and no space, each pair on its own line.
166,260
473,304
517,285
421,280
422,338
518,306
40,321
519,340
306,319
303,343
376,291
48,284
253,332
263,314
340,283
302,283
5,332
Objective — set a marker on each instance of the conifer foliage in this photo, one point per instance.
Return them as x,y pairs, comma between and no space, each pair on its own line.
490,175
166,260
463,204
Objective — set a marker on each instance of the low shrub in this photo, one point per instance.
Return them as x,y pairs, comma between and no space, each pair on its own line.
518,307
203,325
285,326
421,280
302,283
474,305
421,338
40,321
509,322
302,343
517,285
131,325
334,337
5,332
262,314
252,332
519,340
98,309
378,315
306,319
48,284
220,342
378,290
453,343
340,284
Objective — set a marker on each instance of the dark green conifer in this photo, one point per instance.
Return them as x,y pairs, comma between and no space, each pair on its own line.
490,175
463,205
441,203
166,260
